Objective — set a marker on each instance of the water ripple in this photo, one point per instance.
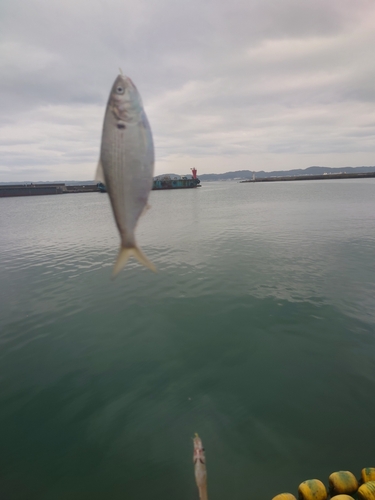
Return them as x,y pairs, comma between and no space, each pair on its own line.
258,332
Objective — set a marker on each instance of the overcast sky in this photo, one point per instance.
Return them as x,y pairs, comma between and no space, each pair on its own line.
226,84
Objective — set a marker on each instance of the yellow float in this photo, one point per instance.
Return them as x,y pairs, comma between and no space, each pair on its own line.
342,485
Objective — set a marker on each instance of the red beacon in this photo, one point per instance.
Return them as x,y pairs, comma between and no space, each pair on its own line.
194,172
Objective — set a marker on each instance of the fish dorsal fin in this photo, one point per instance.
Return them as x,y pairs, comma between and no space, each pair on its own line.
99,175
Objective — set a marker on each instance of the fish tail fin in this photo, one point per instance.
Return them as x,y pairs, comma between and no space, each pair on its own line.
124,255
142,259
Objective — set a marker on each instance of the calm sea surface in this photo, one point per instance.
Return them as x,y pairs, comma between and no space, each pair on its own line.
258,332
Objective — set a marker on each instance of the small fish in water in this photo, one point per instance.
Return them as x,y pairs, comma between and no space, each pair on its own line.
126,165
200,467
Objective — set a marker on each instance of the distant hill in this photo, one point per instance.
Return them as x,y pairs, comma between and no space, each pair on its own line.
240,175
248,174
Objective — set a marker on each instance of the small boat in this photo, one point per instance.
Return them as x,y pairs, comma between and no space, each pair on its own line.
174,181
168,181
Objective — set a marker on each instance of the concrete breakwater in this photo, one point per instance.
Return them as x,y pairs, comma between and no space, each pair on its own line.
312,177
10,190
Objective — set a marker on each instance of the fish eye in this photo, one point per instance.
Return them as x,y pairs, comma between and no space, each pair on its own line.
120,90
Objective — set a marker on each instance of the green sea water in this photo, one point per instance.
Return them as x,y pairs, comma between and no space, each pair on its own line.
257,332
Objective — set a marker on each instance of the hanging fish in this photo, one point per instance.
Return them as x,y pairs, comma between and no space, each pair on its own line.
126,165
200,468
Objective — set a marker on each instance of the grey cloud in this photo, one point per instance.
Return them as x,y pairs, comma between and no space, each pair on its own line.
76,39
230,78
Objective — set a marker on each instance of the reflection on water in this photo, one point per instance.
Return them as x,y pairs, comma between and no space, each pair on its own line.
257,332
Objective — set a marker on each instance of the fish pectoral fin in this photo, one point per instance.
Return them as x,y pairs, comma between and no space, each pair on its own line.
115,112
99,175
145,210
124,255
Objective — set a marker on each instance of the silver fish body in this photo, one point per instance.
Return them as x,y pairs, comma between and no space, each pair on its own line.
126,164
